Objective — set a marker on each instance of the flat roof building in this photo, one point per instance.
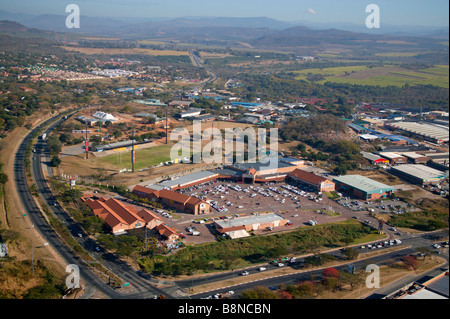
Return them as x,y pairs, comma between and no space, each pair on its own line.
242,225
394,158
433,133
418,173
363,187
188,180
374,158
416,158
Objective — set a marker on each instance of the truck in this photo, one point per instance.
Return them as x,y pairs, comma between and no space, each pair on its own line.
312,222
43,136
280,260
225,295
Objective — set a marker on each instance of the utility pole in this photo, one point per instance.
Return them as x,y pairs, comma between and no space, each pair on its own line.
166,122
86,142
132,153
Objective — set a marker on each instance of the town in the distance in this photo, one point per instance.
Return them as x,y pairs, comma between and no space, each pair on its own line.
99,199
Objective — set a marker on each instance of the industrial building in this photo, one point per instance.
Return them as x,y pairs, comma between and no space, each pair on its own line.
192,112
394,158
363,187
418,174
416,158
239,227
374,158
320,183
434,133
187,180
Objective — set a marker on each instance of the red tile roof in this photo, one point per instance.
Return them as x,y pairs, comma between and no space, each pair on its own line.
307,176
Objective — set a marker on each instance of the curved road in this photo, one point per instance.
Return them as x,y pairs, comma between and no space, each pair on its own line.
139,286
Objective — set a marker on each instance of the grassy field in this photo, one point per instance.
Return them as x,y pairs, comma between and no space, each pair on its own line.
113,51
382,76
144,157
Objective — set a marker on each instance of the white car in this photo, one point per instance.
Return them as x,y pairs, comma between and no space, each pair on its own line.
245,273
262,268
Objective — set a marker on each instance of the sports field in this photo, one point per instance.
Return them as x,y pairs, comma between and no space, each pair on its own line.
145,157
382,76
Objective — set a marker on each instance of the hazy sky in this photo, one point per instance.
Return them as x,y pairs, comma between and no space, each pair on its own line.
398,12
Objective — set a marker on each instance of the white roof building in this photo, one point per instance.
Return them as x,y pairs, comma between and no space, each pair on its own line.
102,116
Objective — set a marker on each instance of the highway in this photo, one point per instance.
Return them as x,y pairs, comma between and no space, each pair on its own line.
408,246
197,62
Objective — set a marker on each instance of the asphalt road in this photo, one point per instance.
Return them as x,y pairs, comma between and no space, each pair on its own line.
409,243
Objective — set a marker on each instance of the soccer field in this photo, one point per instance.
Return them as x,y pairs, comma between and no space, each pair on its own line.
145,157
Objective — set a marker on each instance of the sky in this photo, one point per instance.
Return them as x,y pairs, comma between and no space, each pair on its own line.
395,12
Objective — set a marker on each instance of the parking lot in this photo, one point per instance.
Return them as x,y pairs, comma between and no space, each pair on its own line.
298,204
232,200
386,206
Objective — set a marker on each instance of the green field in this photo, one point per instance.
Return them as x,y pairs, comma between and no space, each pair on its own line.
382,76
144,157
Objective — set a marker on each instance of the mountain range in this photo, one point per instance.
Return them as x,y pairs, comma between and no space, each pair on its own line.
257,33
137,27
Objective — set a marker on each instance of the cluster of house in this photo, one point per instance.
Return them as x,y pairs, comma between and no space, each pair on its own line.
121,218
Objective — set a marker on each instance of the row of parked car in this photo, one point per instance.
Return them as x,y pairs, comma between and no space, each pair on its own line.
383,244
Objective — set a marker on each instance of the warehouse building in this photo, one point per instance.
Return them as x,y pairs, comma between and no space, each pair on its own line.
320,183
394,158
363,187
192,112
187,180
239,227
418,174
415,158
429,132
374,158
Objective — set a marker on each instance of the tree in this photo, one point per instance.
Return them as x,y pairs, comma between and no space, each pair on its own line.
349,279
410,261
55,161
330,272
306,287
259,292
350,253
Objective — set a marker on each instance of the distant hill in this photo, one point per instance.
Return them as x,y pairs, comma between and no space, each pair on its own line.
305,37
257,32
